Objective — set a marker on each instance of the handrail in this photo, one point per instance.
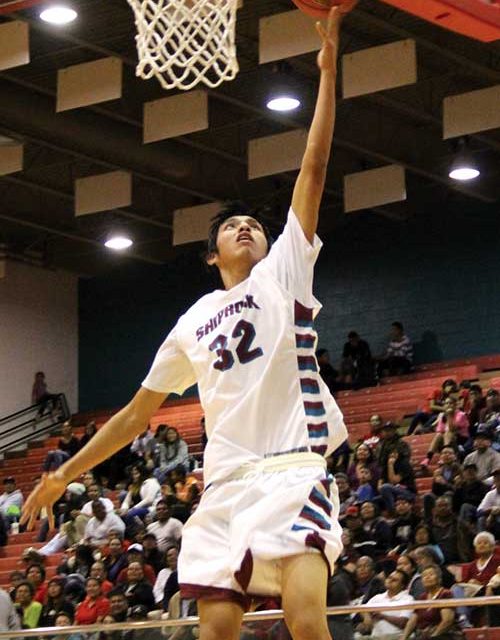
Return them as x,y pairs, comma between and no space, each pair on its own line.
60,398
257,616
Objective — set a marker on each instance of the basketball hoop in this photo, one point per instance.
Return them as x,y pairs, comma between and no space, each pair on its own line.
185,42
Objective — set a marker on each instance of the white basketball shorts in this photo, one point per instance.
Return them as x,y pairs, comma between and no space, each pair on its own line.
233,544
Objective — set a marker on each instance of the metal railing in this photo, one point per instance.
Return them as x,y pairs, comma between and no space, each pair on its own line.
28,424
256,617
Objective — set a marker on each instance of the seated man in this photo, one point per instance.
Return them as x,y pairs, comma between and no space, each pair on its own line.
388,625
488,511
102,525
398,358
357,367
484,456
452,538
11,501
447,478
397,481
469,493
136,588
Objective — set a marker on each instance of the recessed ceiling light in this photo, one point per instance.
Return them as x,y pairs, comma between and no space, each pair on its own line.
118,242
283,103
58,14
464,173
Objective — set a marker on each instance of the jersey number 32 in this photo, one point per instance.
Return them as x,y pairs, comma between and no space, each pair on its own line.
225,358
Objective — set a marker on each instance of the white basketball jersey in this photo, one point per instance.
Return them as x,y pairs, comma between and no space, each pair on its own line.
251,351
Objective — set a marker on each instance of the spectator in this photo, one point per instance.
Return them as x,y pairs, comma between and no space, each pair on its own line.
357,369
468,494
492,406
89,433
41,396
367,583
115,559
484,456
488,512
383,625
55,602
35,574
365,490
390,441
102,525
447,477
118,605
363,457
169,451
422,538
408,565
98,571
68,442
135,553
167,530
64,619
171,556
476,404
171,583
373,439
185,487
143,491
136,588
328,374
29,610
11,501
404,524
452,429
79,561
397,481
447,532
377,529
142,444
340,592
94,492
398,358
481,570
15,579
433,622
95,605
423,421
9,620
152,554
346,495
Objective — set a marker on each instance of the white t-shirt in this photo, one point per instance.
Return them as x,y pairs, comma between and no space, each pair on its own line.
383,627
168,533
251,351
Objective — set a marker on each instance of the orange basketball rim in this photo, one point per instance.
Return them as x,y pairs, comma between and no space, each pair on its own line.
478,19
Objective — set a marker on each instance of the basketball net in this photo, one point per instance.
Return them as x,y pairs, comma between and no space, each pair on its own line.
185,42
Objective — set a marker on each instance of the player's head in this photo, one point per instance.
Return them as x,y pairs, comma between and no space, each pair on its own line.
237,235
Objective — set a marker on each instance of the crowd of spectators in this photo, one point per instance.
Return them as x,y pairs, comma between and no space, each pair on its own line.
120,525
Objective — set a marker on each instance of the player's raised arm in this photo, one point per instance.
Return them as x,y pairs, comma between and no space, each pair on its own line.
311,180
115,434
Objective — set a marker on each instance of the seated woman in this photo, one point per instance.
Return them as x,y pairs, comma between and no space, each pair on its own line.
95,606
363,457
143,492
452,429
28,608
169,451
439,623
115,558
55,603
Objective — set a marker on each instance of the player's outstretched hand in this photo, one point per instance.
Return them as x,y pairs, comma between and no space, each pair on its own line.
327,57
48,490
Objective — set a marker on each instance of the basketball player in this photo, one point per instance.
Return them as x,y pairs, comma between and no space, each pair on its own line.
267,522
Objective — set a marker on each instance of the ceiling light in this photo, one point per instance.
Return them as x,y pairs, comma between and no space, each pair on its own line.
283,103
58,14
464,167
118,242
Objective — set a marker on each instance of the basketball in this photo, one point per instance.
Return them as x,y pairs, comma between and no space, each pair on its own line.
320,8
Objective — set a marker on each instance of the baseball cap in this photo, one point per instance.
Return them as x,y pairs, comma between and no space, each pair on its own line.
135,547
352,511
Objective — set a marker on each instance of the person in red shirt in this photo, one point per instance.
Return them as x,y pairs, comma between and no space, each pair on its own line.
483,568
98,570
422,421
95,606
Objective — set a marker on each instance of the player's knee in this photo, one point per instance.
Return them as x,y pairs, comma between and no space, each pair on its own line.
307,625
